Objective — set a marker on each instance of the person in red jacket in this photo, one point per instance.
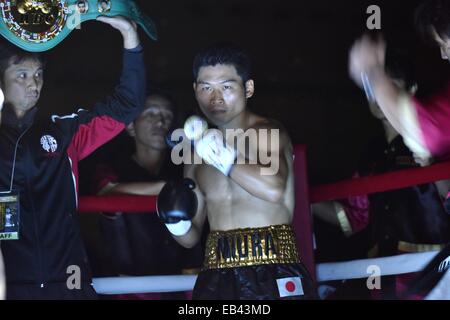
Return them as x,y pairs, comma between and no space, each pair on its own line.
39,169
424,124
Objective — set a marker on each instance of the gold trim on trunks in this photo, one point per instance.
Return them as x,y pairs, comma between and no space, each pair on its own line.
251,246
404,246
417,247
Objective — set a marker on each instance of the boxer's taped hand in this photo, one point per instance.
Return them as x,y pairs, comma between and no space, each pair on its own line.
195,127
215,152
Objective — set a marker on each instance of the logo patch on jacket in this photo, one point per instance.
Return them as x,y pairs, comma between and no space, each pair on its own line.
49,143
290,287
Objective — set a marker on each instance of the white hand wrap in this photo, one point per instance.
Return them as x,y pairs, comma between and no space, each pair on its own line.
180,228
194,127
212,148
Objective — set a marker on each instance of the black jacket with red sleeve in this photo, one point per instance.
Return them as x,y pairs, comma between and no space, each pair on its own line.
46,177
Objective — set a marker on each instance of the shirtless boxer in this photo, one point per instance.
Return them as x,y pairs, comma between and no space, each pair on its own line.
250,251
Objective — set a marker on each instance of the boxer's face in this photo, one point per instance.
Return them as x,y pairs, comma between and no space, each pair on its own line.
152,125
22,84
444,45
220,93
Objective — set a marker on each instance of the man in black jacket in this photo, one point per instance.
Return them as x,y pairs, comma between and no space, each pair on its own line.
39,165
2,272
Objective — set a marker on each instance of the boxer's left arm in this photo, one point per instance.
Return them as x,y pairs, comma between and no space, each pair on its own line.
264,180
192,237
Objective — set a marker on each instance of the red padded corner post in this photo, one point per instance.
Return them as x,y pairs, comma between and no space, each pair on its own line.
302,221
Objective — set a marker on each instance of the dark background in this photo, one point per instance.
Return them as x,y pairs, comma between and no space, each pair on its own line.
299,50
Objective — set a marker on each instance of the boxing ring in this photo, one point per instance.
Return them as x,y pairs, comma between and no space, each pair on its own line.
302,222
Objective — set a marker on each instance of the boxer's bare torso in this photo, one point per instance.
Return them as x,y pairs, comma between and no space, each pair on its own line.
228,205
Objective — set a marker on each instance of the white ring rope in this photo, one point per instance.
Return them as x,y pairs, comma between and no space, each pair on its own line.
442,290
126,285
356,269
404,263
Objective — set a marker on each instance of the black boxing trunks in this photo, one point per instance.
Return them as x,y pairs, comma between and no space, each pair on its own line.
253,263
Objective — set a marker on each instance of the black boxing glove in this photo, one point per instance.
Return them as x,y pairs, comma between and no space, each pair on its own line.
177,205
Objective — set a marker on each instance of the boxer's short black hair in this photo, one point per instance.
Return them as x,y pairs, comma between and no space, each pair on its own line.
223,53
10,54
433,14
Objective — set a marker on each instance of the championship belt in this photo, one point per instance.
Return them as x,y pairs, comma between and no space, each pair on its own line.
40,25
